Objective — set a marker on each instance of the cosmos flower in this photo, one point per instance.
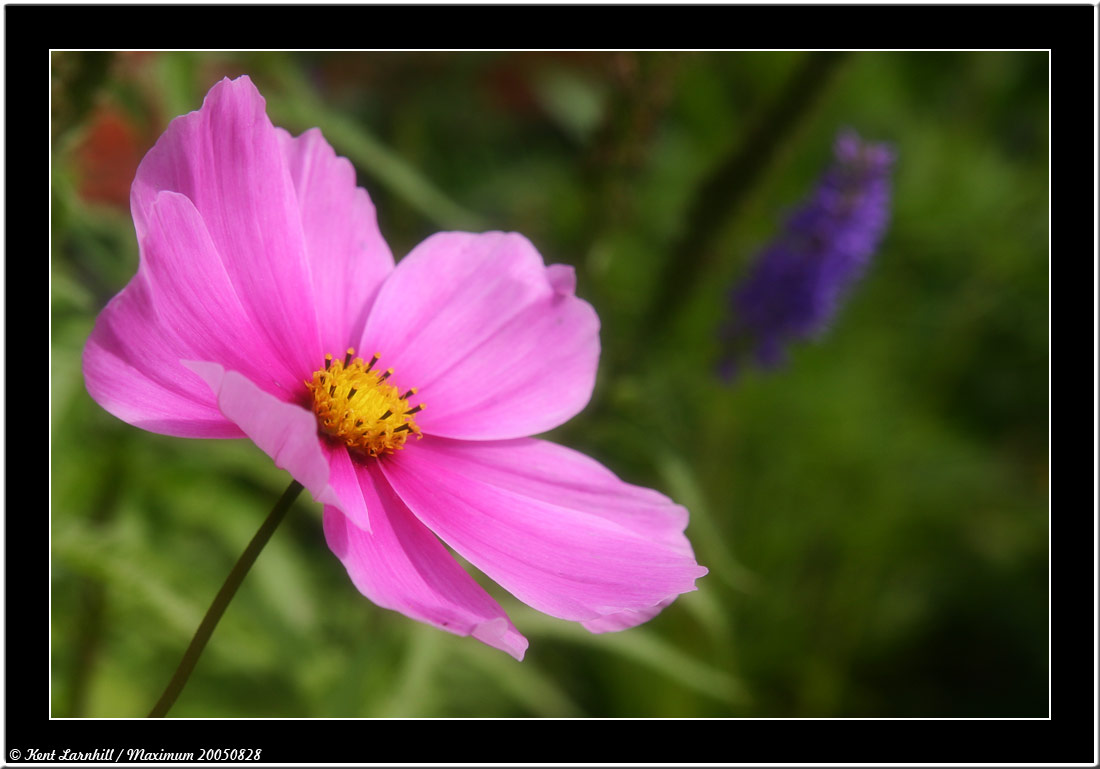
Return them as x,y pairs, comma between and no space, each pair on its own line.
267,305
794,288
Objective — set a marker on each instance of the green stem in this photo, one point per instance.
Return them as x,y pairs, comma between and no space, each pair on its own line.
721,195
222,599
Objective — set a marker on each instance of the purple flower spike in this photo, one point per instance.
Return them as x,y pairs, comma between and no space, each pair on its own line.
795,286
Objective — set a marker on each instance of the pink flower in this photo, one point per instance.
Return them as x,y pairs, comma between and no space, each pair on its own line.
262,264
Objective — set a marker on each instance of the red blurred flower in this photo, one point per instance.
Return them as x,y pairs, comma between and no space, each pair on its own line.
107,158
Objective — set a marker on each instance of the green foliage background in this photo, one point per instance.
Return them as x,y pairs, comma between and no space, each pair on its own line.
874,516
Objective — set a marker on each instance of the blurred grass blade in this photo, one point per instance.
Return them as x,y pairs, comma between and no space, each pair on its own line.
682,486
646,649
525,683
178,80
107,558
413,690
294,105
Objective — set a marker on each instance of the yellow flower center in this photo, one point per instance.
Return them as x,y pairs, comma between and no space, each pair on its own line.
360,407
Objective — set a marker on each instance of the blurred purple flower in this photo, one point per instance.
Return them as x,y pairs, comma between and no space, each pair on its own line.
795,286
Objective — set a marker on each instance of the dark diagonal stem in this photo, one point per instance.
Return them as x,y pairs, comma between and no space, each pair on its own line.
721,194
221,601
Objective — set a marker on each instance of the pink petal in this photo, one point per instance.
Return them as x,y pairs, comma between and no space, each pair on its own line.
549,471
228,160
622,620
126,371
400,565
494,340
556,529
344,479
180,305
348,257
285,432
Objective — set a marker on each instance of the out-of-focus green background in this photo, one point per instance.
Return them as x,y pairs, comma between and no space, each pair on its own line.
874,515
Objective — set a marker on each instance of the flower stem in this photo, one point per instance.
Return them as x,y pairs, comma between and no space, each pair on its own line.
721,195
222,599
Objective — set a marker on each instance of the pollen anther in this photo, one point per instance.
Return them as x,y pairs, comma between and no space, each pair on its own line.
355,422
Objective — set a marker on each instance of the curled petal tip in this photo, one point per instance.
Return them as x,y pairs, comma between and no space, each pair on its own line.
500,634
563,279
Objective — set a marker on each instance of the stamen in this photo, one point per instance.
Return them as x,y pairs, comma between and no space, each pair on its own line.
346,397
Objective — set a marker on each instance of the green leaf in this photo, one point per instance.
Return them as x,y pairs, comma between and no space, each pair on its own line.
645,648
